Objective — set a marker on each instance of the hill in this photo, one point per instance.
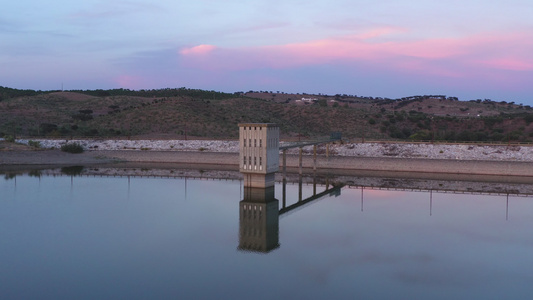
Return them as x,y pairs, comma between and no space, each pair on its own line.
190,113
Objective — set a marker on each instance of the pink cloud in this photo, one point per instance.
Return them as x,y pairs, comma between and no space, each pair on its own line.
471,56
420,66
130,82
508,63
198,50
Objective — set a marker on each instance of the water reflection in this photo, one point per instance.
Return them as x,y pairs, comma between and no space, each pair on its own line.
176,237
73,170
259,213
259,220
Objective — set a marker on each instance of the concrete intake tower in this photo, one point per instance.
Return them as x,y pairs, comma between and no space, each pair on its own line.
259,153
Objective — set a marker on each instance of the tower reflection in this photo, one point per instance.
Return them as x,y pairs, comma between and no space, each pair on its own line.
259,213
259,220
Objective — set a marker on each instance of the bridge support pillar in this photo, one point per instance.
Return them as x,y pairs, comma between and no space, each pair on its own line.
314,158
314,184
300,183
284,193
284,162
300,161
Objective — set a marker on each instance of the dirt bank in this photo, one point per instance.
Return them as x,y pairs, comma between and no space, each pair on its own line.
230,160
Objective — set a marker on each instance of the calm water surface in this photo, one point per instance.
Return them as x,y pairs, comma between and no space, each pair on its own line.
69,237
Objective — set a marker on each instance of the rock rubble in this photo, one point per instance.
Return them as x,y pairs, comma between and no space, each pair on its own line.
400,150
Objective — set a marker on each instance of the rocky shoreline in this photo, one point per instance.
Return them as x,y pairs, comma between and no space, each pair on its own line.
350,157
372,149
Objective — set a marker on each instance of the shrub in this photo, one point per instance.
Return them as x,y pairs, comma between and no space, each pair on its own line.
420,135
46,128
9,138
72,148
528,118
34,144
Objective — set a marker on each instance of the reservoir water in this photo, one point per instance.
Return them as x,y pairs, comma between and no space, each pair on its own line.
66,235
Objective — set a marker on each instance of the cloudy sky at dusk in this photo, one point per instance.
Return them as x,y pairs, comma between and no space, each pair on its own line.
469,48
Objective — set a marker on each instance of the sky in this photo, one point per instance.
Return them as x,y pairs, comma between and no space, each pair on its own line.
471,49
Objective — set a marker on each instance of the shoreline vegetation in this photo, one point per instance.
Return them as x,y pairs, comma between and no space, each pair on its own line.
481,160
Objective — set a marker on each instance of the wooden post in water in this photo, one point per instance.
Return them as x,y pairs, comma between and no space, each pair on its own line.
300,188
284,193
327,150
300,160
284,162
284,178
314,158
314,184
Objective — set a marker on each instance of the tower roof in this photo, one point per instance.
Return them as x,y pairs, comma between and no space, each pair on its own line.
258,125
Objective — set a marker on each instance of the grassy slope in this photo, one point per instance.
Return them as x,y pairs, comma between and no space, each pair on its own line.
175,116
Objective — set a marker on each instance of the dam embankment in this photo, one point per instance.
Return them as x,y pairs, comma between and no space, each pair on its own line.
514,160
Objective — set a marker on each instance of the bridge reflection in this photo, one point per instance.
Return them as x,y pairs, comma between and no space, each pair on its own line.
260,211
259,214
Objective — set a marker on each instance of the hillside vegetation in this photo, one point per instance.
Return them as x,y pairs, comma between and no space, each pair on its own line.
188,113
